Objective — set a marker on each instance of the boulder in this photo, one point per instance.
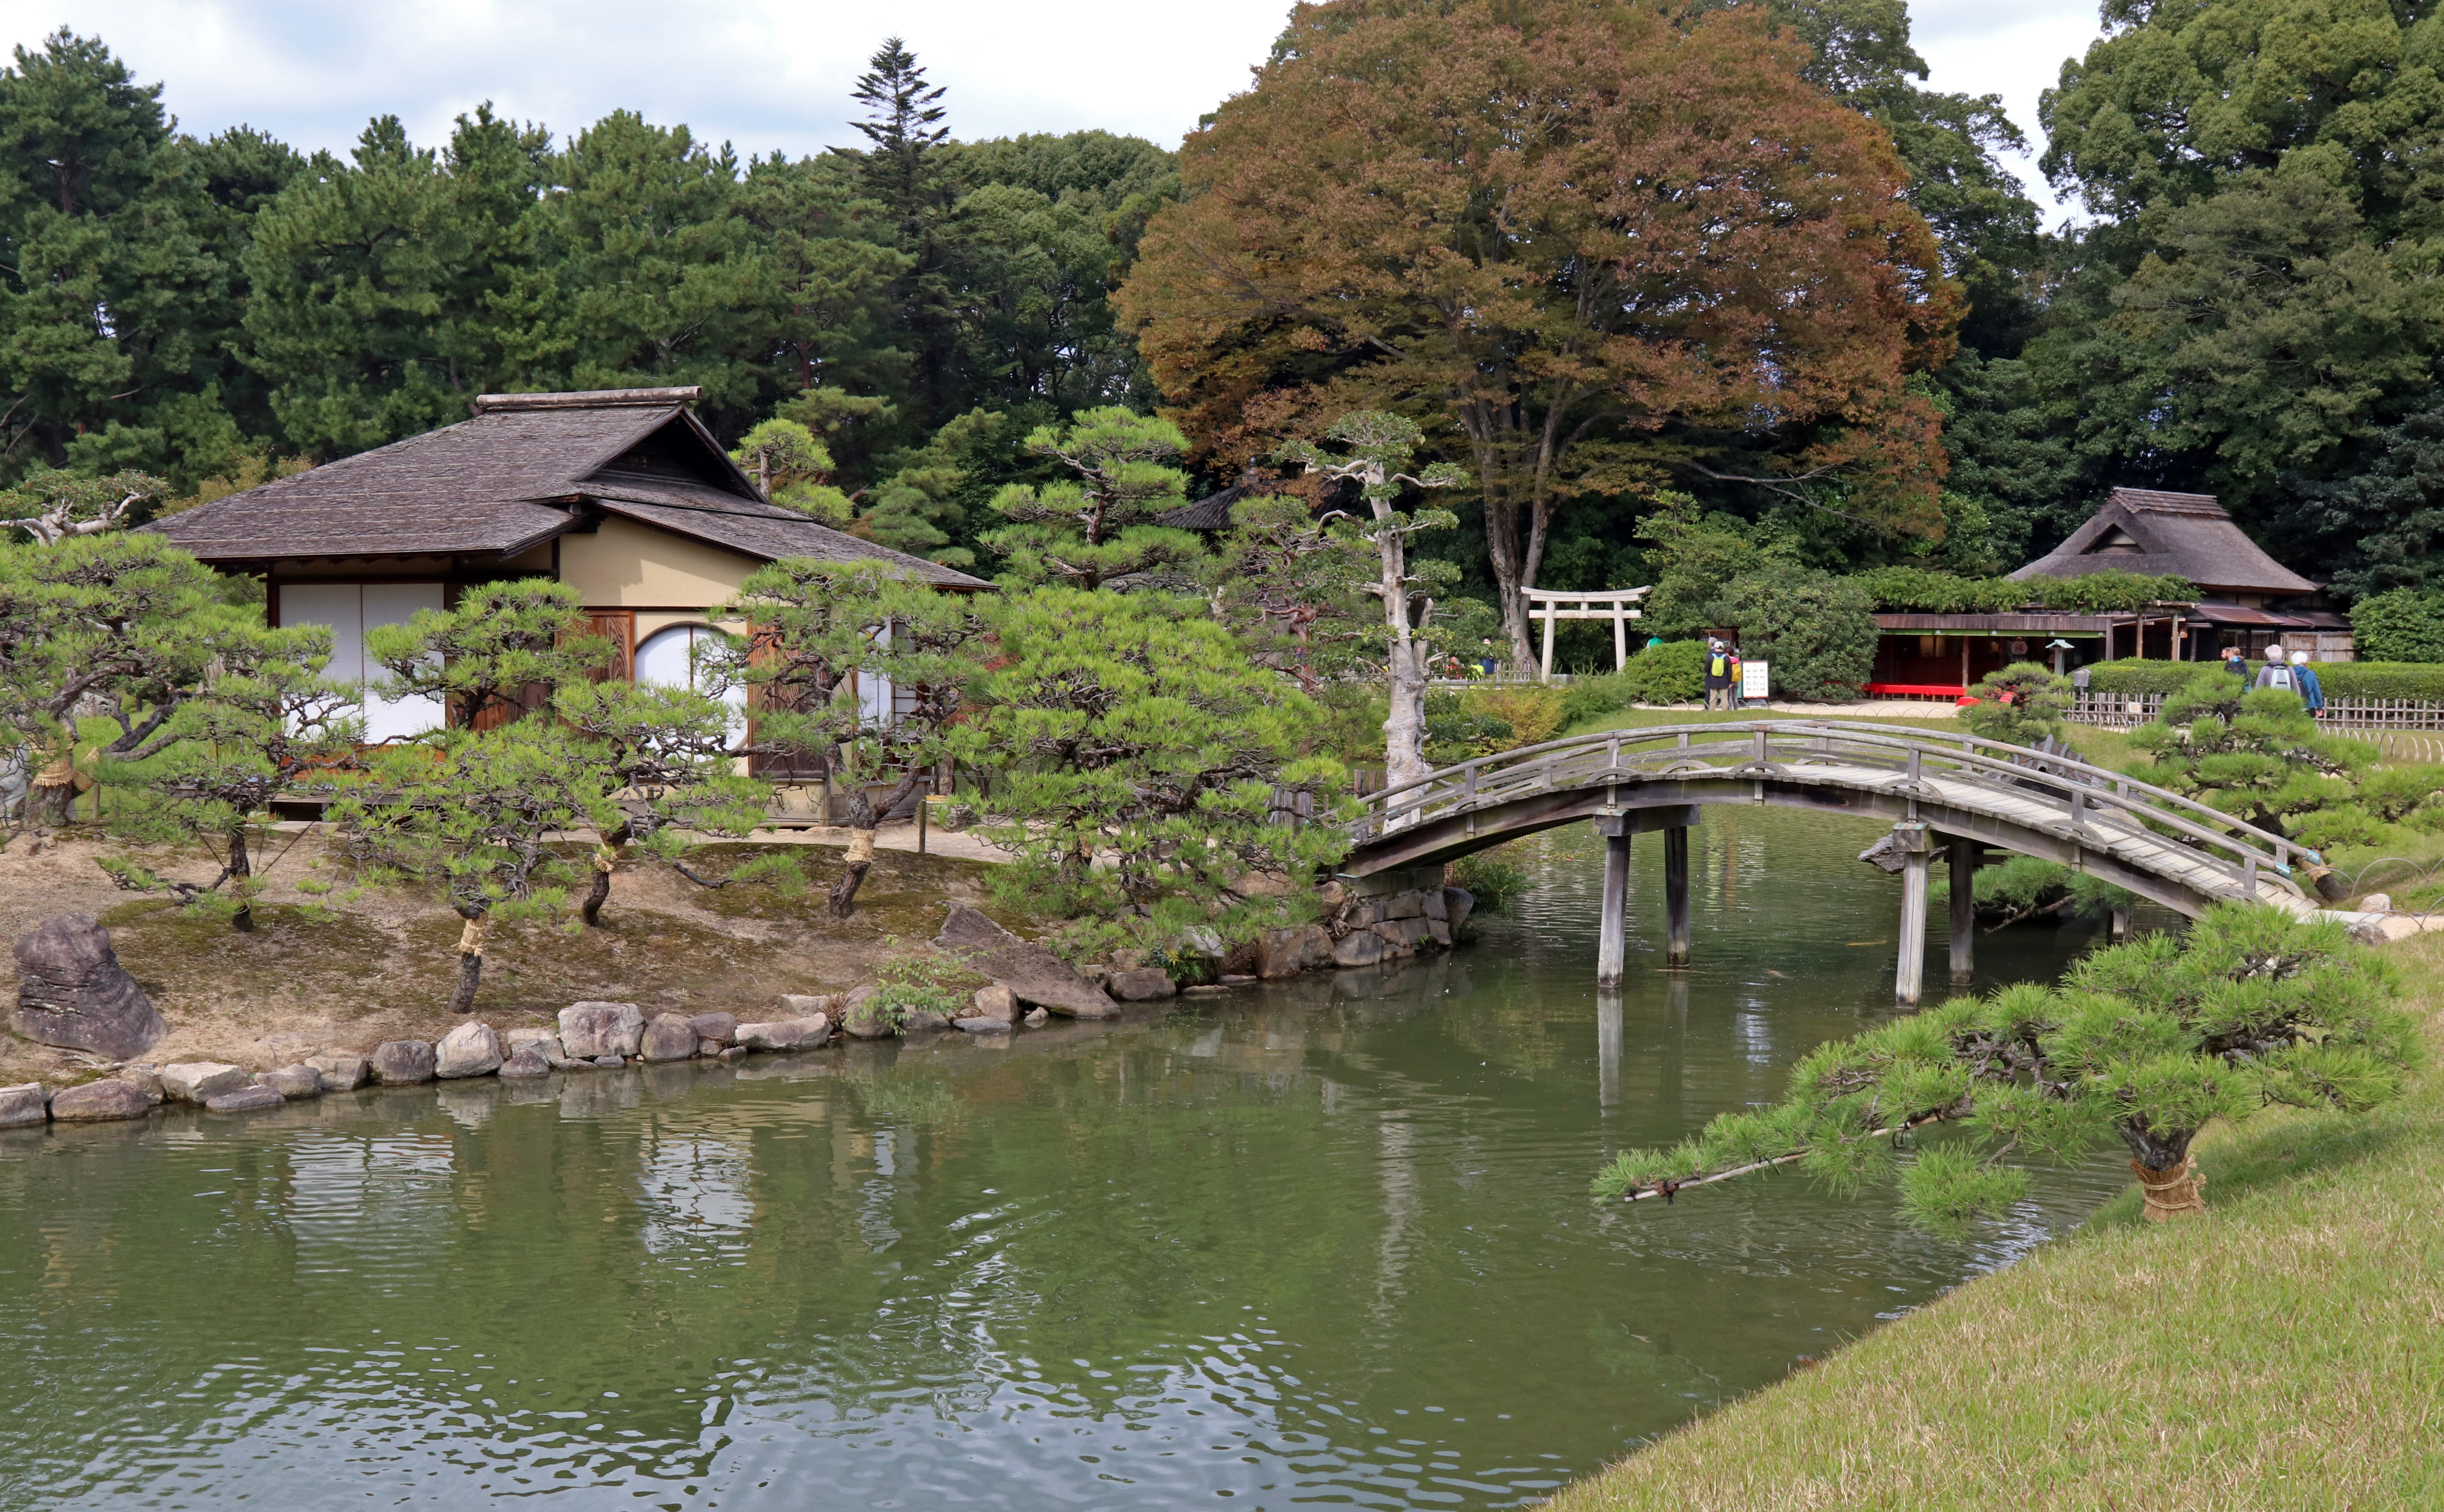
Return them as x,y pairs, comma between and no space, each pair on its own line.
1146,983
1459,903
340,1071
1404,906
100,1102
1437,907
470,1050
1407,933
526,1062
545,1043
1235,979
1358,948
608,1063
2377,903
1439,932
25,1104
863,1017
1032,974
810,1033
146,1076
1281,954
922,1021
589,1032
670,1037
72,992
709,1048
245,1099
996,1002
981,1024
294,1081
1037,1019
402,1063
722,1028
201,1081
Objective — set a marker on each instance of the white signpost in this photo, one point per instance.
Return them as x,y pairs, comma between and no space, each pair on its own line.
1753,680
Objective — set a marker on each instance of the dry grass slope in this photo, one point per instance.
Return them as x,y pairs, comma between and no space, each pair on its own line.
2284,1351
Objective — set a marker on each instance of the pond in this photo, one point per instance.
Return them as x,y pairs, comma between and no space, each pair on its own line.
1323,1242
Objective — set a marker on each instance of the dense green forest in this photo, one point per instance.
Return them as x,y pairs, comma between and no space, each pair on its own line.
2251,310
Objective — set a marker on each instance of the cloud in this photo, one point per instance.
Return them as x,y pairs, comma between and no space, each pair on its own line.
762,75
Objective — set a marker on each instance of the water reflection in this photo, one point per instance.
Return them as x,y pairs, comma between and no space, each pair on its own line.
1328,1241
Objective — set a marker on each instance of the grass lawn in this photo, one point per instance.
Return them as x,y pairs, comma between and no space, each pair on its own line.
2285,1351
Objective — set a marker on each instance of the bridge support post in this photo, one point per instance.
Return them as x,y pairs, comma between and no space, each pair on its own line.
1964,911
1916,846
1676,896
1612,935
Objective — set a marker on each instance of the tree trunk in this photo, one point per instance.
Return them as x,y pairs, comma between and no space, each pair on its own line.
598,893
1404,723
2170,1180
864,820
241,867
471,962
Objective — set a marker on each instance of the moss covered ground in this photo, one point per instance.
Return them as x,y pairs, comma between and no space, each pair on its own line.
2286,1351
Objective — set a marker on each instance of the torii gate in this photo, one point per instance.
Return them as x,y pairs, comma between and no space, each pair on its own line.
1619,605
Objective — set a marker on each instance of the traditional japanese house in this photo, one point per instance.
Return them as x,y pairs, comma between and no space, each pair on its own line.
622,494
2245,599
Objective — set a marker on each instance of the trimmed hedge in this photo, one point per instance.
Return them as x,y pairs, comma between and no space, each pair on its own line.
2339,679
2404,624
1918,590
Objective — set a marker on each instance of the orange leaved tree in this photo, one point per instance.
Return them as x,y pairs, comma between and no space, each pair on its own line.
1603,240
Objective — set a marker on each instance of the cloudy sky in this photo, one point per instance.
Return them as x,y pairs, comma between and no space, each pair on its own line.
769,74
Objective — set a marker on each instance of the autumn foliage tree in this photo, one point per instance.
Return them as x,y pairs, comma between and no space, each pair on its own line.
1599,241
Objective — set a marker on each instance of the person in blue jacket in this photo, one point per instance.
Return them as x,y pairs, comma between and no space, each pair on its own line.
2305,678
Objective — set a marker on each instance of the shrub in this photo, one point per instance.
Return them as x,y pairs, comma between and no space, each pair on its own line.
1817,632
2394,793
1534,713
1672,673
2403,624
904,985
1493,881
1454,731
1941,593
2339,679
2019,706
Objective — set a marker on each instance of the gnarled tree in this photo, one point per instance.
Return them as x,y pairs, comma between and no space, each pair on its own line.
1599,242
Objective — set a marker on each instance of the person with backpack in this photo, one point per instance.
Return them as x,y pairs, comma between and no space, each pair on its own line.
2313,692
2236,661
2276,672
1722,673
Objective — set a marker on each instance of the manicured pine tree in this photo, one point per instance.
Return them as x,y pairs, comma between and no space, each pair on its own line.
1087,531
2143,1045
861,671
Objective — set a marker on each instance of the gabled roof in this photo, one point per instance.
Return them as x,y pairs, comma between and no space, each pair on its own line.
526,468
2185,535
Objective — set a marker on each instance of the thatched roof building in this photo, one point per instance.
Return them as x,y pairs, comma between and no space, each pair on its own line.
2182,535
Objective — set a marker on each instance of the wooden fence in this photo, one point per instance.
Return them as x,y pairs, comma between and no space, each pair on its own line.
2366,717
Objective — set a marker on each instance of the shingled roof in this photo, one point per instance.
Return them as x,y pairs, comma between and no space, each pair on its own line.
2185,535
526,469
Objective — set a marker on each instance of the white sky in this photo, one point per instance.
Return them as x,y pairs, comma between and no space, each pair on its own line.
768,74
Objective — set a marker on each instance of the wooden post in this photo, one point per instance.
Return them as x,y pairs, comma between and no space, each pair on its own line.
2119,930
1619,637
1612,935
1676,896
1916,846
924,801
1608,1037
1964,910
1546,675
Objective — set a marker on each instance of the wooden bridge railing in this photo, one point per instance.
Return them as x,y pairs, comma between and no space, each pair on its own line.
1782,749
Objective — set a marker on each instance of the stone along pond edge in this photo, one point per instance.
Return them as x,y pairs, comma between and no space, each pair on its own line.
1390,921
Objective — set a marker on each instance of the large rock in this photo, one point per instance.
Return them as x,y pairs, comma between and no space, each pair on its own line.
249,1098
146,1079
545,1043
201,1081
294,1082
1145,984
1287,952
100,1102
722,1028
470,1050
996,1002
340,1072
1032,974
670,1037
589,1032
527,1063
810,1033
863,1016
402,1063
72,992
1358,948
1459,903
982,1025
22,1105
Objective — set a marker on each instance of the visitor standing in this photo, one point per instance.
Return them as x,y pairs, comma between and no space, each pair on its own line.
2236,661
2276,672
2313,692
1721,668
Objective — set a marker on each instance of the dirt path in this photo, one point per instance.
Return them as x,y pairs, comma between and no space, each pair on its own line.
333,966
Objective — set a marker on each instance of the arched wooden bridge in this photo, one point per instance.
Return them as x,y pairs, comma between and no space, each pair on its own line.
1950,791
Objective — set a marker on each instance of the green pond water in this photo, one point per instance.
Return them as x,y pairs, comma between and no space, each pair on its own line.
1320,1242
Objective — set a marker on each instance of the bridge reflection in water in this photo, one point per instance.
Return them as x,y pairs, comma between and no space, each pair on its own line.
1952,793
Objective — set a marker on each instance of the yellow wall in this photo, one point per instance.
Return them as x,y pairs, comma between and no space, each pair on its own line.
624,564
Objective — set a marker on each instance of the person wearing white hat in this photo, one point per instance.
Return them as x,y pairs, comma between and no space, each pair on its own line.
2305,678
